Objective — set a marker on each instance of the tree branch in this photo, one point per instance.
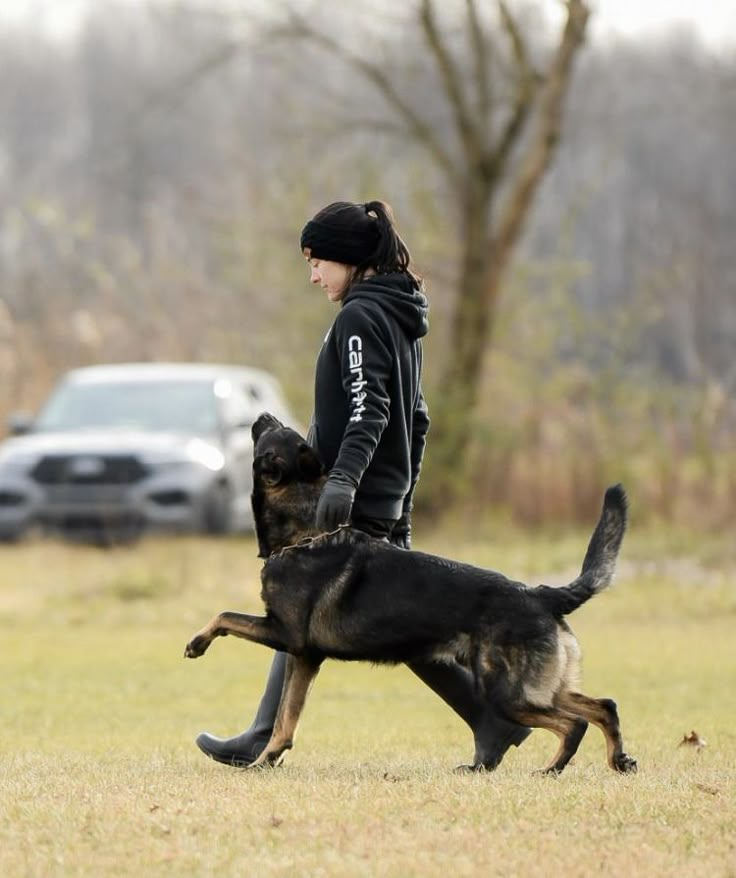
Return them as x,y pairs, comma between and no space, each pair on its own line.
418,128
526,87
480,50
539,151
451,81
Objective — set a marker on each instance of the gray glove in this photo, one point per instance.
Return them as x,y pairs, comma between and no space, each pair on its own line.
335,502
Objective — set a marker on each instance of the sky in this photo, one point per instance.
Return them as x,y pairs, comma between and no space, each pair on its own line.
714,21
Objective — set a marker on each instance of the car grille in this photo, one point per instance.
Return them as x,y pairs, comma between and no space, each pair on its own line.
10,498
75,469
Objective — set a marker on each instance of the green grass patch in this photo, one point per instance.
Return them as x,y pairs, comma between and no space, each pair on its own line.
99,711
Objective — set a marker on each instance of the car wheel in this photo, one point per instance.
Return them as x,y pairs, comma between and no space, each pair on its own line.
12,535
121,535
104,534
217,518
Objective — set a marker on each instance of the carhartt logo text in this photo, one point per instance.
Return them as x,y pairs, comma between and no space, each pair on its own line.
355,365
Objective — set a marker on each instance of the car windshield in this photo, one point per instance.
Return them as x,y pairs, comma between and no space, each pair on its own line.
178,406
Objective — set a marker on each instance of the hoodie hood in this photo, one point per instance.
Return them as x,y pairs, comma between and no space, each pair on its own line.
400,296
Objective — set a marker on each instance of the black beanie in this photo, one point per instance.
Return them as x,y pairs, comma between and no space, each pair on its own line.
342,232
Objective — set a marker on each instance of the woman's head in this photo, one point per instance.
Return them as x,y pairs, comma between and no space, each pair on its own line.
346,242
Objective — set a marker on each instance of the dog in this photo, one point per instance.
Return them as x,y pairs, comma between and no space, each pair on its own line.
345,595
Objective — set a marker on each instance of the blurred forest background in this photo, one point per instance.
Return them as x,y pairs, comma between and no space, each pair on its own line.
156,170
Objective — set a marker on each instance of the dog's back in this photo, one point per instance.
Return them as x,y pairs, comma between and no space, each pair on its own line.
359,598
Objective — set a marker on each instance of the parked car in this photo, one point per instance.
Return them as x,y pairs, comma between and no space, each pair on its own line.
119,449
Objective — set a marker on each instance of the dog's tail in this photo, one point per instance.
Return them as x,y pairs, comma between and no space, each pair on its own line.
600,559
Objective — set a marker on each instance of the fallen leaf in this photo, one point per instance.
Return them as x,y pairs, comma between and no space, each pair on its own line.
693,740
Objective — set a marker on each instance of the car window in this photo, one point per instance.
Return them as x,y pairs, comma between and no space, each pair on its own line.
242,404
181,406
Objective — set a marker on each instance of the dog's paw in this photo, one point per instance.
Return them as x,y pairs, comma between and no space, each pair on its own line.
550,771
266,761
196,647
258,766
477,768
625,764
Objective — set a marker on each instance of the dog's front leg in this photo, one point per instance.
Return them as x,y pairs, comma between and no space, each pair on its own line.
259,629
300,675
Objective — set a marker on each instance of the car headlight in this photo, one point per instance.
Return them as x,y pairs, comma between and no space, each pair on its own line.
19,462
209,456
195,451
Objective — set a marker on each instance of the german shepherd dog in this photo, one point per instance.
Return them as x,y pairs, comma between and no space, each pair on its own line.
345,595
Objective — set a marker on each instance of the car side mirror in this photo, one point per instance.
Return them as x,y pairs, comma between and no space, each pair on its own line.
20,423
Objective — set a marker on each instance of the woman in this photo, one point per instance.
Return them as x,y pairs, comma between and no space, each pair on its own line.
369,426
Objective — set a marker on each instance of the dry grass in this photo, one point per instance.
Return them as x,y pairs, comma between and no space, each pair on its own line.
101,778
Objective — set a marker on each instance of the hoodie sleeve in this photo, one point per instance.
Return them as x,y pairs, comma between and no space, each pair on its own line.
365,364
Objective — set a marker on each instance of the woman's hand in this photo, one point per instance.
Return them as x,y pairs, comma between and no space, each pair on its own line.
335,502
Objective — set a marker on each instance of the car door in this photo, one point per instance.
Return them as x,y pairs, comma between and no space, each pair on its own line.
238,415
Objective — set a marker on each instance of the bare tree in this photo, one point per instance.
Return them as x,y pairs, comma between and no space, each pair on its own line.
506,120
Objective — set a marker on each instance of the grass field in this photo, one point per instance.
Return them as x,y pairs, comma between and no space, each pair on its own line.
98,709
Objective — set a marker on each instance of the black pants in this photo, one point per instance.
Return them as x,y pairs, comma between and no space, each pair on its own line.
381,528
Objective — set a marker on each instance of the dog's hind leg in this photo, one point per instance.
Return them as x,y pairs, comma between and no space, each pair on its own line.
569,729
300,675
569,744
603,713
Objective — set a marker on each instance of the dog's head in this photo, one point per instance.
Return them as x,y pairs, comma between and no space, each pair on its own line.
287,480
281,456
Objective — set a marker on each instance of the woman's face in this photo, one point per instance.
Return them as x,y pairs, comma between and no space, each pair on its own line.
333,277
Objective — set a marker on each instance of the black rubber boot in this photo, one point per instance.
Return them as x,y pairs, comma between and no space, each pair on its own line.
247,747
492,732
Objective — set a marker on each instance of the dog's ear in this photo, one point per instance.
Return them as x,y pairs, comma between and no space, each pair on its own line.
309,466
264,422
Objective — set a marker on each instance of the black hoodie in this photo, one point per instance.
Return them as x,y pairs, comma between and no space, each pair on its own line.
370,420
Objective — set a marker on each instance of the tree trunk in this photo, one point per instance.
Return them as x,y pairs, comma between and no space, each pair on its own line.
490,237
468,340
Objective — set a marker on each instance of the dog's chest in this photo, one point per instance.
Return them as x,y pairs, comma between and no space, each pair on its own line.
455,649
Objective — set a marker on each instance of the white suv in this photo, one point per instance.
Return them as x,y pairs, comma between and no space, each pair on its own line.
119,449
